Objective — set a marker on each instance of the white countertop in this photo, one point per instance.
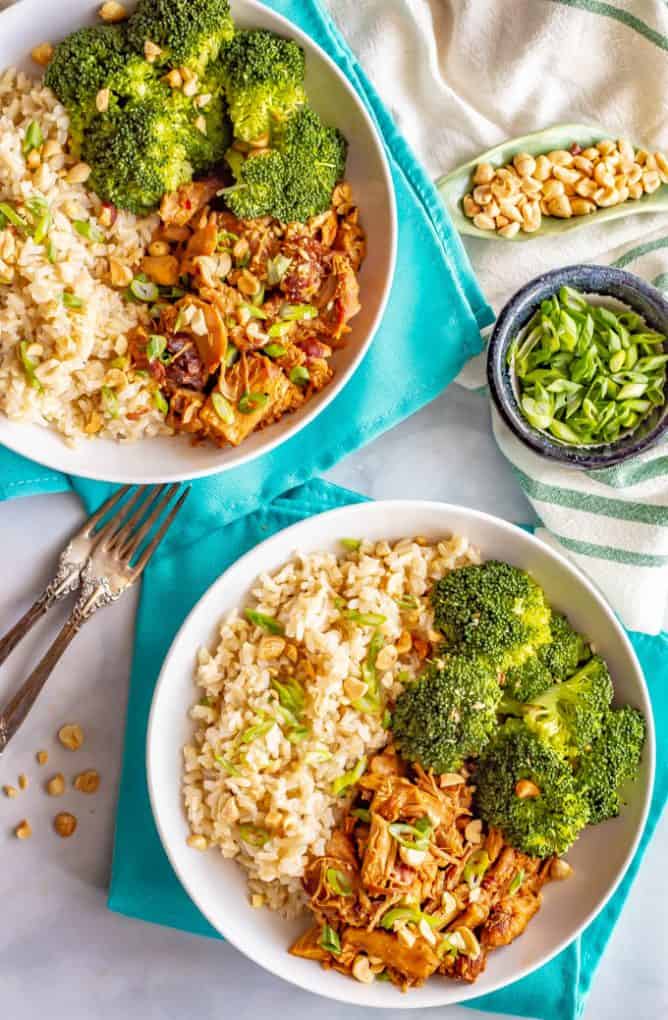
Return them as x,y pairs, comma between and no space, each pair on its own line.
63,955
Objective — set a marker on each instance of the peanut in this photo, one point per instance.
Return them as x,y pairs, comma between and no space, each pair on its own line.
65,824
111,12
56,785
484,173
560,207
560,157
543,168
23,830
525,789
510,230
524,164
42,54
87,782
582,206
71,736
483,222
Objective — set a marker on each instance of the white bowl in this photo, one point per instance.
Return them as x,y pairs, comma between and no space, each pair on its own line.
217,886
168,458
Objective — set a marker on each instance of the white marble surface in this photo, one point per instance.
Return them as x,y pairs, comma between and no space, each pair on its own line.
62,954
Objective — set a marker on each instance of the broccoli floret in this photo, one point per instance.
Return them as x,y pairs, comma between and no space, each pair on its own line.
315,161
492,609
569,715
527,681
612,760
137,155
543,823
263,76
83,63
447,714
259,187
566,650
190,33
204,148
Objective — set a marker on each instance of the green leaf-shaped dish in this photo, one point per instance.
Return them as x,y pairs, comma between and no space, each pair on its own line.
454,186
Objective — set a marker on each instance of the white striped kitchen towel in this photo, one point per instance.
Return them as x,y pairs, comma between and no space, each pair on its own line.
463,75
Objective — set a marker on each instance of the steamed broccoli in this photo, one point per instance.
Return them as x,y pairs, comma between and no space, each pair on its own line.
137,155
447,714
82,64
565,651
294,180
190,33
204,147
524,682
541,821
569,715
263,76
612,760
492,609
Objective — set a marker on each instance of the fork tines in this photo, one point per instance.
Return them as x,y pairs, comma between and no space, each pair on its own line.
127,534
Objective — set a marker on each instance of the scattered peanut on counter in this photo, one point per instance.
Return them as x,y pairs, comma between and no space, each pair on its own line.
562,183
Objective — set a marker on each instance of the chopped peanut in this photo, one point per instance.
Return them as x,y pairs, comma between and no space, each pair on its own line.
23,830
10,791
87,782
23,781
196,842
78,174
525,789
65,824
71,736
56,785
42,757
111,12
42,54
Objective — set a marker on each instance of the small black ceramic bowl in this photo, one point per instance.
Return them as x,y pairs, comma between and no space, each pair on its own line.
603,281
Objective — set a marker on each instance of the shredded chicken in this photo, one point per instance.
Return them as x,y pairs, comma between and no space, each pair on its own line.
232,290
393,885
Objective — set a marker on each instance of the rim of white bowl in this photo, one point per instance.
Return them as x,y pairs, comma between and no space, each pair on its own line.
23,10
397,507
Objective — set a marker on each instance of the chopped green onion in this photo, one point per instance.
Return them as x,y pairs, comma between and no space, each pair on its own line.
352,544
412,837
33,138
298,313
71,300
254,732
291,696
223,408
407,915
475,868
516,883
298,734
225,238
51,253
317,756
231,355
276,269
29,365
110,401
144,290
160,402
249,403
13,217
204,702
362,814
88,230
407,602
156,346
339,882
340,785
254,835
254,312
274,350
330,941
280,329
365,619
300,375
371,700
231,769
268,623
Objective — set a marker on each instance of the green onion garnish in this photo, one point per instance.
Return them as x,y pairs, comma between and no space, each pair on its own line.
341,784
475,868
339,882
297,313
249,403
144,290
352,544
274,350
110,402
223,408
516,883
29,365
330,941
365,619
255,312
227,765
231,355
412,837
280,329
88,230
71,300
156,346
300,375
362,814
268,623
254,835
276,269
33,138
13,217
160,402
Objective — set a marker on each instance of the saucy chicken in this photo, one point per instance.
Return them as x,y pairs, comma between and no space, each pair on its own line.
411,885
246,313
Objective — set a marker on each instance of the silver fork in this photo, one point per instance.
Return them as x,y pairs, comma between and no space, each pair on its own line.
118,558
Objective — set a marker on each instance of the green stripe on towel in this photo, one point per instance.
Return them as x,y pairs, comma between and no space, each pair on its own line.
642,249
624,17
625,510
609,552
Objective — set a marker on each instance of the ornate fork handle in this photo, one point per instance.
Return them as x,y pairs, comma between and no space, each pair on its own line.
64,583
95,593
